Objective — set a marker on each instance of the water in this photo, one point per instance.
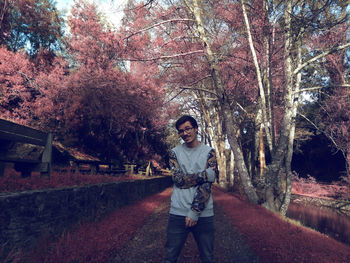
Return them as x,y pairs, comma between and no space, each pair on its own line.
324,220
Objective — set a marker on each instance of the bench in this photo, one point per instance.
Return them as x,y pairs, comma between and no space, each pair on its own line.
98,167
12,133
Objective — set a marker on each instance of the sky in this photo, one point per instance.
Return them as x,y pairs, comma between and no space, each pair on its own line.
112,9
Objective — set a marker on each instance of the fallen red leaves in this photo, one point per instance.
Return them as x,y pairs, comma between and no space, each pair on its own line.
276,240
13,182
272,238
97,241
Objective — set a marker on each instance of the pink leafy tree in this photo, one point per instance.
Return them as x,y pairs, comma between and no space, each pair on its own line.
17,87
98,102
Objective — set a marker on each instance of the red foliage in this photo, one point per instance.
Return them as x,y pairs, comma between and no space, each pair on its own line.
271,237
16,89
88,98
310,187
13,182
275,240
97,241
101,104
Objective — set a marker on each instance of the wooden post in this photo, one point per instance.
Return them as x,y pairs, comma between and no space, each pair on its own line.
148,169
94,168
132,168
46,157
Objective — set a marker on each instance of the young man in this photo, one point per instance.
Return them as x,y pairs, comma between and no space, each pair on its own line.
194,169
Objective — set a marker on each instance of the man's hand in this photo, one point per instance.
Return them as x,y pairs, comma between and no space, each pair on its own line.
190,222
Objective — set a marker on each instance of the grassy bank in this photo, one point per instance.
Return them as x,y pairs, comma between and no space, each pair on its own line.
275,239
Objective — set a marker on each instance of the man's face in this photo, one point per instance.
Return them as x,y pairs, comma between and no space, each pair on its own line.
188,133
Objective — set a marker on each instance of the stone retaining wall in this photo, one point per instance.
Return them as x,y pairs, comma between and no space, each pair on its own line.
26,216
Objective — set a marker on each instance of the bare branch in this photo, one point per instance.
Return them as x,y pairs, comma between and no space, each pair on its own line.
344,85
318,129
310,89
192,84
199,80
159,24
164,57
182,90
327,52
201,89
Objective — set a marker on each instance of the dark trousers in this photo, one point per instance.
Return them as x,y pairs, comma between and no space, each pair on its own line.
177,233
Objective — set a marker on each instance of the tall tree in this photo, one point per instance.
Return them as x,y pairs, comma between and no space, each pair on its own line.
98,102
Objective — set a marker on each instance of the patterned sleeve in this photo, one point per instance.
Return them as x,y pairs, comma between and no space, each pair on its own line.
183,180
203,192
212,163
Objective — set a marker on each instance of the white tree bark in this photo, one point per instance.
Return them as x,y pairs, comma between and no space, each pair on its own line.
225,106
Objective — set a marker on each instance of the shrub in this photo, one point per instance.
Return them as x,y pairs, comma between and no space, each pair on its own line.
310,187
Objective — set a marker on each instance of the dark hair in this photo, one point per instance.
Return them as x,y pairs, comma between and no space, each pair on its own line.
185,118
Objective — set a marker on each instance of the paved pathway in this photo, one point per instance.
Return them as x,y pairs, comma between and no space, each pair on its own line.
147,246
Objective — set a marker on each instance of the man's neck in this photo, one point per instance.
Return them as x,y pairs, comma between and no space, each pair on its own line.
193,144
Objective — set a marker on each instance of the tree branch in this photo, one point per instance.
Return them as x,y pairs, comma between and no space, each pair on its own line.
182,90
164,57
310,89
194,83
344,85
159,24
201,89
318,129
30,81
327,52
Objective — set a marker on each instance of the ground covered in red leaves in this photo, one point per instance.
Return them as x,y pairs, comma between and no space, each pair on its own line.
96,241
270,237
276,240
13,182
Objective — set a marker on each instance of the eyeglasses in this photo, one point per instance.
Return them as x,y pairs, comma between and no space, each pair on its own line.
186,130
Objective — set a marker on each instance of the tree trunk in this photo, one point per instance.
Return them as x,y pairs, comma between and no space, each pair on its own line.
280,157
230,127
262,160
232,170
288,180
259,77
212,119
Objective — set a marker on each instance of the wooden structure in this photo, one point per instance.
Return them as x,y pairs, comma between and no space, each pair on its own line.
75,160
150,170
29,149
147,171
